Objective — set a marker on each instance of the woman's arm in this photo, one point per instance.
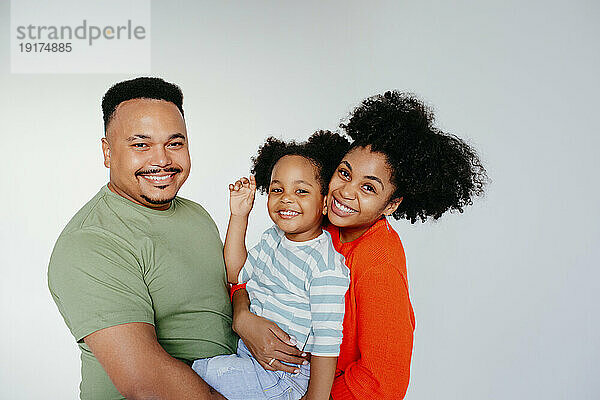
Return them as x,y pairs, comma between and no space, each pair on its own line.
385,325
241,200
264,339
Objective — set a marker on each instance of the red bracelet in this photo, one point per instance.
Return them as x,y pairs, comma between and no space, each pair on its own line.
235,288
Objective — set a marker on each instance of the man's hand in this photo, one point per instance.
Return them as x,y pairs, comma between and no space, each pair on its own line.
241,196
141,369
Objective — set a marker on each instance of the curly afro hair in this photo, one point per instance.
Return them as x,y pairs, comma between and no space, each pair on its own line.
431,170
324,149
140,88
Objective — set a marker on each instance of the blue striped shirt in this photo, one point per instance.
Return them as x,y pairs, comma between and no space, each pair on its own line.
301,287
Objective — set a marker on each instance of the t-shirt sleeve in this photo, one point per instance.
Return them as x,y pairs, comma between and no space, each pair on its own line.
258,253
97,282
251,260
385,324
327,291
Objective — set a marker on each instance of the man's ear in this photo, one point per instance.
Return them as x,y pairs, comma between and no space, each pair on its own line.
106,152
392,206
325,205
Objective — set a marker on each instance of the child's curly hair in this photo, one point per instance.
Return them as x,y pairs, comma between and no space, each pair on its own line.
324,149
431,170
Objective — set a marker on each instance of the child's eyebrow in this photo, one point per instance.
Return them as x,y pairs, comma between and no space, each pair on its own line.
303,181
295,182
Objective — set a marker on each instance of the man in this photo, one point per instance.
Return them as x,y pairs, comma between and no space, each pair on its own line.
138,273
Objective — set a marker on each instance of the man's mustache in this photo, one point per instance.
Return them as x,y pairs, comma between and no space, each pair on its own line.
157,170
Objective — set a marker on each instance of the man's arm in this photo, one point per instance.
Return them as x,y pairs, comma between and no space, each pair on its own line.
141,369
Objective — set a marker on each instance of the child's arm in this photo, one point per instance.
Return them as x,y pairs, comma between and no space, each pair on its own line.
322,372
327,291
241,200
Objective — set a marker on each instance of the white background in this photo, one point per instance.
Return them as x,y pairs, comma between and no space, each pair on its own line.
505,295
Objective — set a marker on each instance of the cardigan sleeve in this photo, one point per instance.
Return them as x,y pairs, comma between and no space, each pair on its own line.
385,325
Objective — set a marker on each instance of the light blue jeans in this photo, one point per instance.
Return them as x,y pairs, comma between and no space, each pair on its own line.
240,377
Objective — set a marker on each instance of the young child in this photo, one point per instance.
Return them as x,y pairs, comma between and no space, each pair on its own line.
294,275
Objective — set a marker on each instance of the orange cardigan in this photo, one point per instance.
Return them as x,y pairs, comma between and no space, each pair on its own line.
374,361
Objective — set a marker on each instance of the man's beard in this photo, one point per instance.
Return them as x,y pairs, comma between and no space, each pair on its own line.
152,171
157,201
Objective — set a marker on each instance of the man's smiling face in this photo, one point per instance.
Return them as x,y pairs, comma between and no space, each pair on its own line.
146,150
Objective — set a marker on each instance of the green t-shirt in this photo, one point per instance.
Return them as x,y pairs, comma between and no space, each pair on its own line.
118,262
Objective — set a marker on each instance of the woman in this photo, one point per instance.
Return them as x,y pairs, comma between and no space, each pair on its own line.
398,165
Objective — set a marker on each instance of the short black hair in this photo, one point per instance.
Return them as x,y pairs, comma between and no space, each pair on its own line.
324,149
140,88
431,170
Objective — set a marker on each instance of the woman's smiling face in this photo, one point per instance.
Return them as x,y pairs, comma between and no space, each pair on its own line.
360,192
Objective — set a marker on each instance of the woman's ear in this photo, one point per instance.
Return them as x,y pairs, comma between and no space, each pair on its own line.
392,206
325,205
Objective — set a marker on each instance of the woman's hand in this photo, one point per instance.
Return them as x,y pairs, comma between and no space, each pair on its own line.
266,341
241,196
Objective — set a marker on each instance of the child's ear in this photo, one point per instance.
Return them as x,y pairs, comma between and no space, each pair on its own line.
325,205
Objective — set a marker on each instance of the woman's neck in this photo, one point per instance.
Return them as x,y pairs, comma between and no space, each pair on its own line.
350,234
353,233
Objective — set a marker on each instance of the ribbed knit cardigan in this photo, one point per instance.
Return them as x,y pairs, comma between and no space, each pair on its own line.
374,361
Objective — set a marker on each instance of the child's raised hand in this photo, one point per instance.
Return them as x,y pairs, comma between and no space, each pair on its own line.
241,196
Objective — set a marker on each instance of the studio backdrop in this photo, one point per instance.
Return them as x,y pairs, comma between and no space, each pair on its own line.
505,294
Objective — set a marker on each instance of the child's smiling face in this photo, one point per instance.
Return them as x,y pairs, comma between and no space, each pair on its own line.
295,201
